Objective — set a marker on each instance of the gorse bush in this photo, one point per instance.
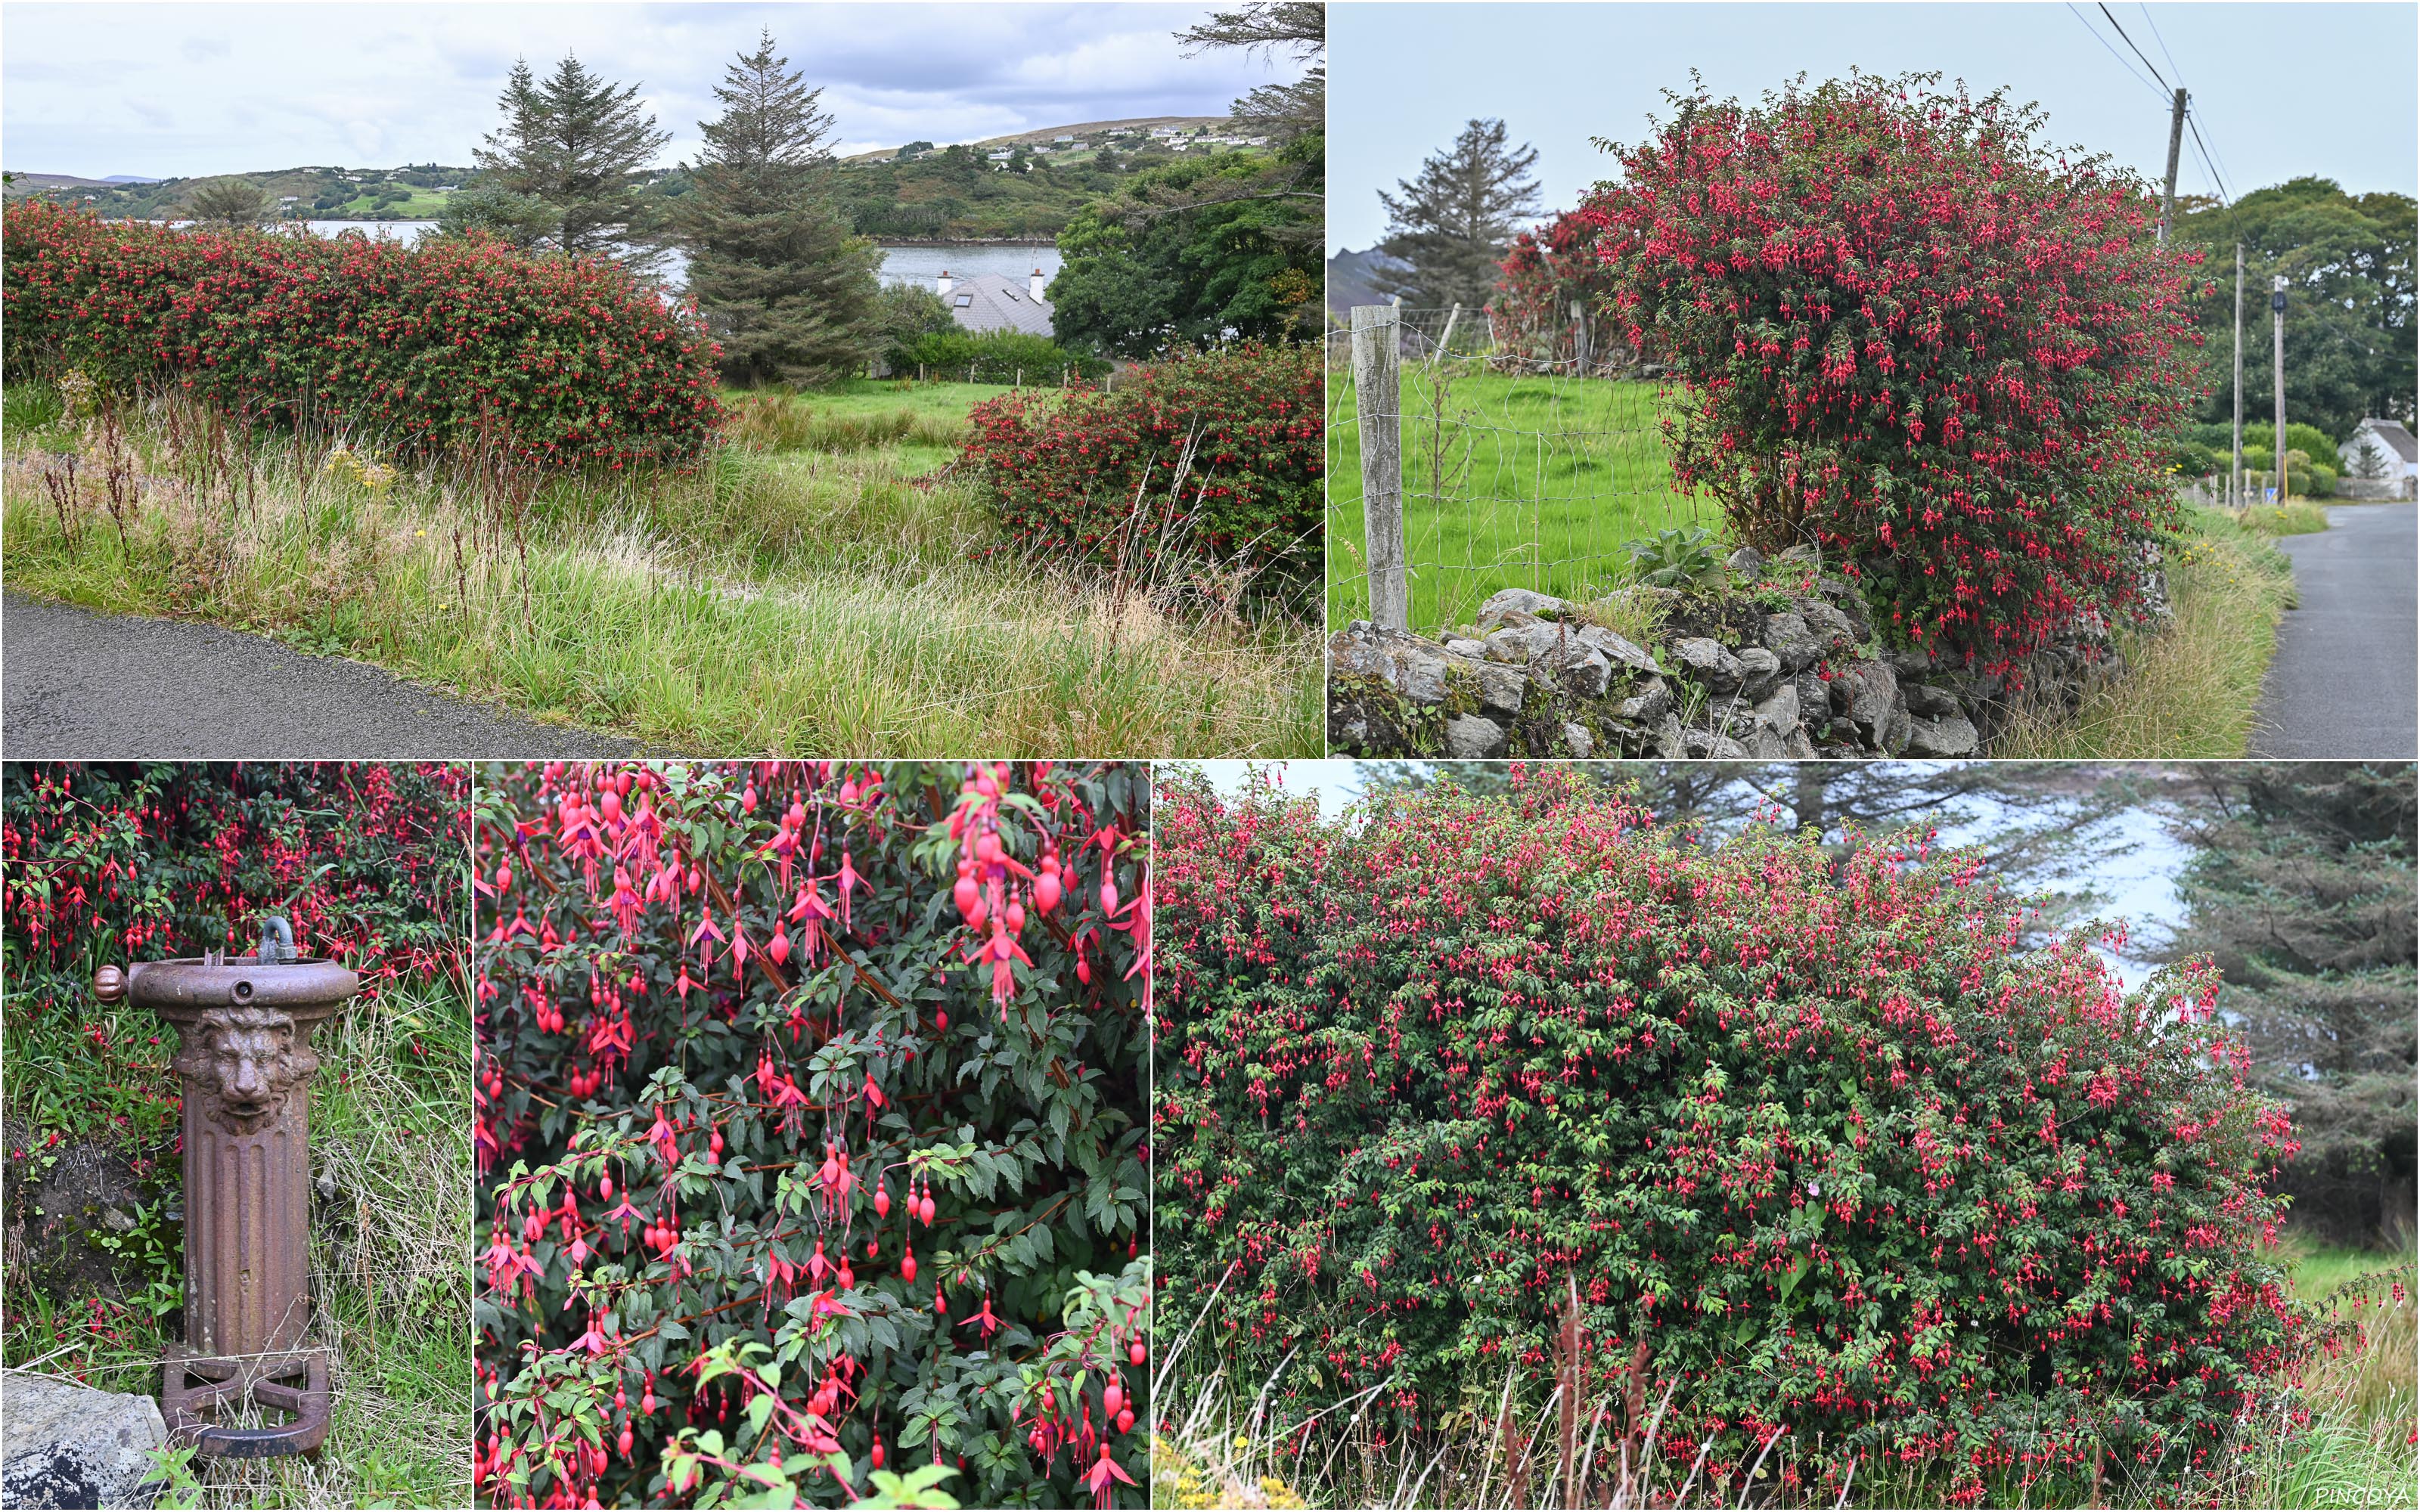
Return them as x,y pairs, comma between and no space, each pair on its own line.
568,361
1481,1095
809,1106
1904,328
1216,452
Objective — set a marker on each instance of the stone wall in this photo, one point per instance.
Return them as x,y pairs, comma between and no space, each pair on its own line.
1783,663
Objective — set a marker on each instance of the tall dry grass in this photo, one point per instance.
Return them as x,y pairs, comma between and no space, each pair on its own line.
790,601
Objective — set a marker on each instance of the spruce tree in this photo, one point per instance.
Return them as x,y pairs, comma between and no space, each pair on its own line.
577,141
788,290
1452,223
2301,890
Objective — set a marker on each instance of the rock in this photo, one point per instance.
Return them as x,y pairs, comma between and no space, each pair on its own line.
1831,629
1524,642
1500,687
1505,602
1577,740
1614,648
1670,743
1745,563
1765,746
1422,672
1780,712
1352,733
1707,661
1650,703
1788,636
1909,663
1585,674
1470,738
1954,735
1760,670
1461,647
1800,556
1929,703
1796,747
1895,729
1873,691
1704,745
69,1445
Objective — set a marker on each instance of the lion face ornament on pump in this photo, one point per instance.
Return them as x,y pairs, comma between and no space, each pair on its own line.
244,1056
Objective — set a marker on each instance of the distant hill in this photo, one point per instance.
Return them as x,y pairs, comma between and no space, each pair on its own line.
1350,281
1087,135
1023,186
412,193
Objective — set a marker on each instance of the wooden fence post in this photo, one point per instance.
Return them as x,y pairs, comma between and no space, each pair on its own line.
1580,335
1377,394
1453,318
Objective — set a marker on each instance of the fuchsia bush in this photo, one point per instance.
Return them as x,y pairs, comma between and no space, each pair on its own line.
1906,330
1818,1143
1107,476
568,361
809,1107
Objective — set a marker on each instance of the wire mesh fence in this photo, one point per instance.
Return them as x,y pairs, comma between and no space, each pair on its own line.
1487,454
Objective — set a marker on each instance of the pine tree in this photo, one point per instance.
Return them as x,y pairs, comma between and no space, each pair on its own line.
1452,223
2301,890
577,141
789,290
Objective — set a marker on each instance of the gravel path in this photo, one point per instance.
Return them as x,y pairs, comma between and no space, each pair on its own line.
2346,682
79,684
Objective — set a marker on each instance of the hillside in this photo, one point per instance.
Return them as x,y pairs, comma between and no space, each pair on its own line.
1019,187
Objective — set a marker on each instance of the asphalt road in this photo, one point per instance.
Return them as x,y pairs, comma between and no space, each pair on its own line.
78,684
2346,682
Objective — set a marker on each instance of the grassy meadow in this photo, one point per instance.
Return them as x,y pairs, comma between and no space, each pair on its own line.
812,587
1509,482
391,1154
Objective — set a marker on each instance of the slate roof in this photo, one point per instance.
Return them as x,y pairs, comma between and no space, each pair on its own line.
988,301
2392,436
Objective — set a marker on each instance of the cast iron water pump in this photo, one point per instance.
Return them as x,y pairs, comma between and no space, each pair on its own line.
244,1029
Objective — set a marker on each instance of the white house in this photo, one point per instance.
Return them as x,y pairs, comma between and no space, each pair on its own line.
2395,445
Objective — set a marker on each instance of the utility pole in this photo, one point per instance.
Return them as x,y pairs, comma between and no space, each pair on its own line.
2277,323
2235,473
2176,144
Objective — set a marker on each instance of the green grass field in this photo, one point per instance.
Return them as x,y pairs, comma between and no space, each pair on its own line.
812,589
390,1139
1509,482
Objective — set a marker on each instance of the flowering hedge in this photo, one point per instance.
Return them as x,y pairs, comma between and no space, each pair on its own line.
1818,1145
118,861
1542,272
810,1108
572,361
1907,330
1223,445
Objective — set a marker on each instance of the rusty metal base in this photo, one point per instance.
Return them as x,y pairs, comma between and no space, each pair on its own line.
195,1390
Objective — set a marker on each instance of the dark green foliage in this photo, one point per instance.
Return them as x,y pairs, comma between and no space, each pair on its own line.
660,1100
1452,223
576,141
785,287
228,202
1472,1095
522,220
2301,890
903,313
996,357
2348,259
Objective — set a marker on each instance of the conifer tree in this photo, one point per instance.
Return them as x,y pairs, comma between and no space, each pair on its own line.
2301,890
1452,223
578,142
786,286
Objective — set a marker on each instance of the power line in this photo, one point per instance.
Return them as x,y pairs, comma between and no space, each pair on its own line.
2139,52
2201,150
2131,69
2162,41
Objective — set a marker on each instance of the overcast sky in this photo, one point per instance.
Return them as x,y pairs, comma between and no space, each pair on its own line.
174,90
2279,91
